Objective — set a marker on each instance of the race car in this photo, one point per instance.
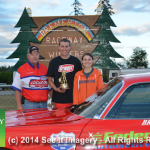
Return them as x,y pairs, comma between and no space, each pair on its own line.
115,117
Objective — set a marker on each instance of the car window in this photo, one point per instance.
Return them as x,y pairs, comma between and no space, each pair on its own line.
95,104
134,103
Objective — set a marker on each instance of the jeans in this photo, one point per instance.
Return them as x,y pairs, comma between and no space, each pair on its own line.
33,105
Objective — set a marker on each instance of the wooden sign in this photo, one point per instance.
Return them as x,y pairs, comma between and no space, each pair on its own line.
78,29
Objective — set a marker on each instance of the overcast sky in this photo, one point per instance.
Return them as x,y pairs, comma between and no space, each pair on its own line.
132,18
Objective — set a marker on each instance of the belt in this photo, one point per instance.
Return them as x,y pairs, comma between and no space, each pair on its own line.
35,102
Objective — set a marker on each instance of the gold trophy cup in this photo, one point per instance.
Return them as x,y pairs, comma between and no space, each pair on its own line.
63,81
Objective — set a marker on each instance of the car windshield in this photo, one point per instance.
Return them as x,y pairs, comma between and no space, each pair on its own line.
94,105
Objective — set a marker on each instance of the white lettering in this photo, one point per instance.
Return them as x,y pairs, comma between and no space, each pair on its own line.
53,40
46,29
79,27
57,54
80,38
84,30
76,54
148,140
107,140
95,140
75,40
71,52
50,26
48,40
42,32
63,24
81,52
120,139
146,122
70,39
75,23
69,22
1,121
56,23
43,139
51,55
58,40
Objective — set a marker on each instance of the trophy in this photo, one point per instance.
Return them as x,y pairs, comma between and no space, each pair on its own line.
63,81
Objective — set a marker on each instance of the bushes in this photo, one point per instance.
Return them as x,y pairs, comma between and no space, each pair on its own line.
105,75
6,77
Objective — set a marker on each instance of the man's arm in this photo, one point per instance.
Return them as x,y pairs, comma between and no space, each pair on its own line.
75,91
52,103
51,83
51,93
18,100
17,87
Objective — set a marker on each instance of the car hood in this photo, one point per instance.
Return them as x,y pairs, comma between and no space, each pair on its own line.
39,116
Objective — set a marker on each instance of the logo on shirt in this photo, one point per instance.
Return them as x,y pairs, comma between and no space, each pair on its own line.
29,72
67,68
86,81
42,82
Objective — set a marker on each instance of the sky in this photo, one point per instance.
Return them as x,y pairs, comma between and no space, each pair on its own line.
132,18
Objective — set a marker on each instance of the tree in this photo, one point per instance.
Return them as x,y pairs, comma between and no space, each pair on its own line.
77,11
137,59
101,4
104,50
24,37
4,68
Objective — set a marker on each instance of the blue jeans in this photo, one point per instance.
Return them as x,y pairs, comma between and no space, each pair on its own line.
33,105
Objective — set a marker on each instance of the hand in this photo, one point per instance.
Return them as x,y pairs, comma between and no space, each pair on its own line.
20,108
60,90
52,105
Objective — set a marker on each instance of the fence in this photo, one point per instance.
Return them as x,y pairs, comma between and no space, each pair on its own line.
7,98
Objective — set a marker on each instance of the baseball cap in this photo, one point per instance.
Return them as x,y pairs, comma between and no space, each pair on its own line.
33,48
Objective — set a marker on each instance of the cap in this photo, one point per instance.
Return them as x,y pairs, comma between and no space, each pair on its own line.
33,48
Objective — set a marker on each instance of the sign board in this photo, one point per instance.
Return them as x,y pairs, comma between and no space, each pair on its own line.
78,29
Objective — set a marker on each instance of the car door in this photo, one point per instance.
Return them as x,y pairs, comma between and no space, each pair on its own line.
126,125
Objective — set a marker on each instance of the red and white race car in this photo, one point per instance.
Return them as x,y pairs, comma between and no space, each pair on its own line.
115,117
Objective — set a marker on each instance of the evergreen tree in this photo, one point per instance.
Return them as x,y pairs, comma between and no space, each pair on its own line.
104,50
101,4
24,37
77,11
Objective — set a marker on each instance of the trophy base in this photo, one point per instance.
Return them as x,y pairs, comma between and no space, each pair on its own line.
64,86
